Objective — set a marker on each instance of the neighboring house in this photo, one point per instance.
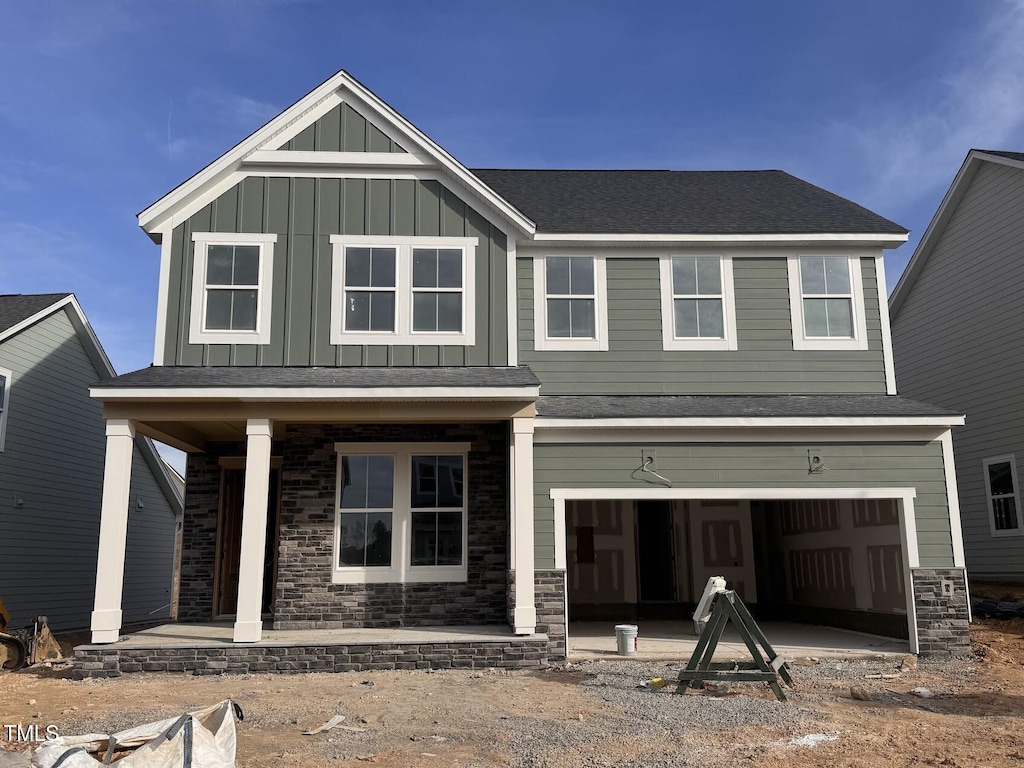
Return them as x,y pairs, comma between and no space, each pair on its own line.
418,394
51,474
955,318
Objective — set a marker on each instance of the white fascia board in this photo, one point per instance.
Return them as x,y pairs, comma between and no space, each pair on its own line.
311,394
713,493
868,239
815,435
312,106
750,422
339,159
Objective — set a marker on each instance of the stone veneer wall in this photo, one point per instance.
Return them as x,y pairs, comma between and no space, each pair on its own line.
307,599
109,661
942,619
550,600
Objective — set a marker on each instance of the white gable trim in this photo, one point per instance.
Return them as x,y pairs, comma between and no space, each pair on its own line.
936,227
188,197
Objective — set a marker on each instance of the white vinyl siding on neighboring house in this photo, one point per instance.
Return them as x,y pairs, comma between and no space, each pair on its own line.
231,288
401,513
826,296
403,290
5,401
571,300
698,307
1003,494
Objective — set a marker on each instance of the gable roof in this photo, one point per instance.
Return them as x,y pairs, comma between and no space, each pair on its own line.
16,308
167,210
944,213
21,311
681,202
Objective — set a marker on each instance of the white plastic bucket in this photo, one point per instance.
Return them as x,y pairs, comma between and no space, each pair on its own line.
625,638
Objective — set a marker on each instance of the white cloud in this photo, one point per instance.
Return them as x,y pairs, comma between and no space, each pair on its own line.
910,149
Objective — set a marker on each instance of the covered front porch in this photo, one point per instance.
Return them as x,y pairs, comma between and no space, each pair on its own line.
285,476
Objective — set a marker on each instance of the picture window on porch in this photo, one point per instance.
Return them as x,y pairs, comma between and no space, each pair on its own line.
367,495
401,513
1003,496
392,290
231,288
438,509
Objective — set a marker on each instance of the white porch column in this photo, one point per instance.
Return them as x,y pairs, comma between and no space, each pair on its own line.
524,621
117,479
249,619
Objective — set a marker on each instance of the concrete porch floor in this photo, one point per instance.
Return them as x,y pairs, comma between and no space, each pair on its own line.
217,634
674,640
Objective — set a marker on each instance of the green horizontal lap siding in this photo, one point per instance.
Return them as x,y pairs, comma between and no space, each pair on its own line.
343,129
732,465
765,362
304,213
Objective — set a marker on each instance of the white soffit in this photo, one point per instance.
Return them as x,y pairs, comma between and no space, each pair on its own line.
260,149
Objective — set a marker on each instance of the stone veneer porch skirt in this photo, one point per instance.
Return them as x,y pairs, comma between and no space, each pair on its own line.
207,649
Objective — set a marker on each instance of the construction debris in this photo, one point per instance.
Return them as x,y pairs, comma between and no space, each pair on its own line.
334,721
201,739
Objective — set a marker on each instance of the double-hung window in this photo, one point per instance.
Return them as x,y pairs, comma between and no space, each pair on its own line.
401,513
403,290
1003,496
5,400
697,306
231,288
570,295
826,296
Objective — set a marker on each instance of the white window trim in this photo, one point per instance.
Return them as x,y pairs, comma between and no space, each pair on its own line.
668,318
1012,460
796,307
197,333
8,377
401,571
403,333
541,340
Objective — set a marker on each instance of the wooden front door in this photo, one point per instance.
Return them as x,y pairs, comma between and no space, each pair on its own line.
229,541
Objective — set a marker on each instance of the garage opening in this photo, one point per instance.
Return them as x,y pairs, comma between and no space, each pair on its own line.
798,563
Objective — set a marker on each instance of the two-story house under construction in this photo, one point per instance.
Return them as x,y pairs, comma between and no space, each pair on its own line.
419,395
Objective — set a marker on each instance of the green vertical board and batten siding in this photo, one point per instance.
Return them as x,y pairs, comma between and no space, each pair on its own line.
304,213
737,465
765,362
342,129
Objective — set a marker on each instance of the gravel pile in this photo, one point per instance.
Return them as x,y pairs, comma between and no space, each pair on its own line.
656,718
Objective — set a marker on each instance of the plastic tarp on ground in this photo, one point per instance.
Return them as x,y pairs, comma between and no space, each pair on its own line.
202,739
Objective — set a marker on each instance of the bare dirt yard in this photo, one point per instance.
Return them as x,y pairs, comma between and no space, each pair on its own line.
591,714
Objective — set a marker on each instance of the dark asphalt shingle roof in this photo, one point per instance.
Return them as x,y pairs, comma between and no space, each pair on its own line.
15,307
724,406
680,202
1009,155
296,377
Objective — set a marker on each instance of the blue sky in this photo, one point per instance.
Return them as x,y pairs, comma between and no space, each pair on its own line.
105,106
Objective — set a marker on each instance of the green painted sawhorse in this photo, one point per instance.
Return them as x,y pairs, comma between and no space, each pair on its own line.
766,666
